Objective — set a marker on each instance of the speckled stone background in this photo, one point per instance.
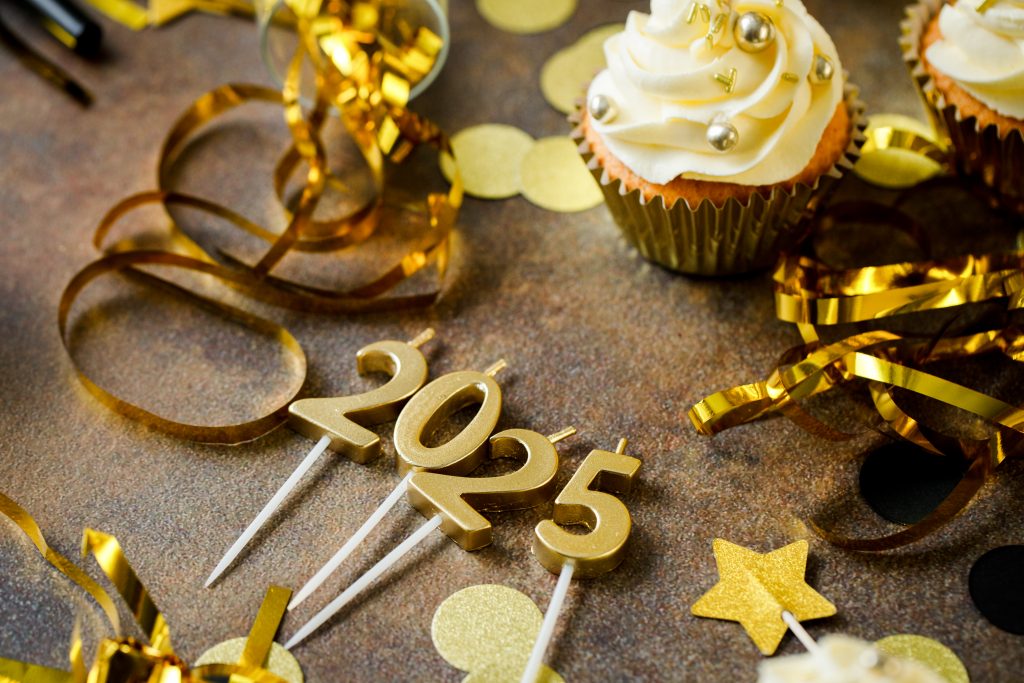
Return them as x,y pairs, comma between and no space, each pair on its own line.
594,336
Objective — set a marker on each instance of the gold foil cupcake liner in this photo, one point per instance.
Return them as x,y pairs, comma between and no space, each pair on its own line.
980,151
737,237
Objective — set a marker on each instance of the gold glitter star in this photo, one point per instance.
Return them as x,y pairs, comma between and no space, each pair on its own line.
755,589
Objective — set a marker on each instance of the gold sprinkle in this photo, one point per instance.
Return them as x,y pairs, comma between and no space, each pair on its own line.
705,12
724,5
691,14
985,6
728,80
791,77
718,24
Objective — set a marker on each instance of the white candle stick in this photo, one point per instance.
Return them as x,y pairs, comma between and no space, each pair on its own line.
351,544
800,632
364,581
547,628
269,509
293,480
391,558
374,519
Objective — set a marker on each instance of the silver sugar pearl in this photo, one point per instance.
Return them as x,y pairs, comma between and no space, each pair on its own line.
754,32
822,70
722,135
602,108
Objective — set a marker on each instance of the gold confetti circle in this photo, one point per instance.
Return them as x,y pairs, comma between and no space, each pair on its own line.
564,76
555,178
489,159
930,653
488,631
900,152
280,662
526,16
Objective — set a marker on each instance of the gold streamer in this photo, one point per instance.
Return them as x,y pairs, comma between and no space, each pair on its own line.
109,556
366,79
808,293
264,628
125,660
27,524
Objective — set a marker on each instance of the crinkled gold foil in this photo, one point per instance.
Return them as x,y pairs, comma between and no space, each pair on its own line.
810,294
735,238
126,660
368,88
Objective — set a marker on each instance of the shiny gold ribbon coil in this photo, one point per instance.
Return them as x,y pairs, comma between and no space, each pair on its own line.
815,297
366,79
124,660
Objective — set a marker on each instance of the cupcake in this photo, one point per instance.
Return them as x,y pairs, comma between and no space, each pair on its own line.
844,659
967,58
717,128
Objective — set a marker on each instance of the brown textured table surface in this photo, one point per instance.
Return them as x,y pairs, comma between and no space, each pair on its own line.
594,336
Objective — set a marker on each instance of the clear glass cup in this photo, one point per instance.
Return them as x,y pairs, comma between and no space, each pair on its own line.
278,43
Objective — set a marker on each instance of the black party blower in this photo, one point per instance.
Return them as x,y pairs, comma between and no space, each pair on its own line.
68,24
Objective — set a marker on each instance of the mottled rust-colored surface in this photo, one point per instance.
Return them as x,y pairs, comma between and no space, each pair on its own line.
594,336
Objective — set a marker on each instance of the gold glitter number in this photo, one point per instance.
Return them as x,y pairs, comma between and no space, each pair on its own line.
345,418
457,499
606,516
434,404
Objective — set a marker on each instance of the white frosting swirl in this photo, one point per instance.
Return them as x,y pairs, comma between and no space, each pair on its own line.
662,77
843,659
983,52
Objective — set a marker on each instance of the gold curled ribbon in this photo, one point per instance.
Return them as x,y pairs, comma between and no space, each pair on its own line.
125,660
27,524
811,295
366,79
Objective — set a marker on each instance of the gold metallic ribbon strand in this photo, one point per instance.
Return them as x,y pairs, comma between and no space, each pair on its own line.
125,660
365,78
27,524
